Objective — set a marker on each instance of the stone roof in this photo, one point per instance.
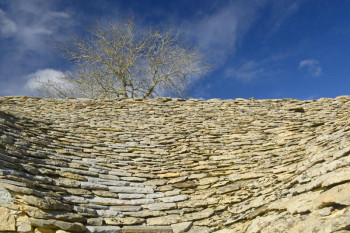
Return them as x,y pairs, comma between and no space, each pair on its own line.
170,165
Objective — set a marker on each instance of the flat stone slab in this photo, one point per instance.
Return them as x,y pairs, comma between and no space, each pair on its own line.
147,229
103,229
131,190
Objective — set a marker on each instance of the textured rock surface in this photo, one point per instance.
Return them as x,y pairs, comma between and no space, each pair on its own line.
168,165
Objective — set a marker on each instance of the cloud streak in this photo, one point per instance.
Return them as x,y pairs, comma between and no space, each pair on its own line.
246,72
312,67
217,34
7,26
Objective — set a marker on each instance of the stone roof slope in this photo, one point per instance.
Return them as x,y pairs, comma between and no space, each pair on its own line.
169,165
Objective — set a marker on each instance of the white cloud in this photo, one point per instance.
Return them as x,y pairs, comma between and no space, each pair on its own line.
35,79
312,66
7,26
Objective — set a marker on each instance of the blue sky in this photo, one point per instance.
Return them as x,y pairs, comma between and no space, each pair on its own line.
258,48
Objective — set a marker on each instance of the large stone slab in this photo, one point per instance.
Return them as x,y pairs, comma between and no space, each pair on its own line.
147,229
103,229
131,190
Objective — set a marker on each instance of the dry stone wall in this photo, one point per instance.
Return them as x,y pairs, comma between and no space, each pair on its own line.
169,165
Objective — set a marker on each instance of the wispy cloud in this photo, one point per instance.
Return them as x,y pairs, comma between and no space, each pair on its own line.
246,72
218,33
312,67
7,26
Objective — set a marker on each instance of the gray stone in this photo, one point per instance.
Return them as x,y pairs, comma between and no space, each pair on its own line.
93,186
164,220
126,208
155,195
131,195
75,199
160,206
141,201
147,229
130,190
108,201
181,227
174,198
108,213
103,229
5,196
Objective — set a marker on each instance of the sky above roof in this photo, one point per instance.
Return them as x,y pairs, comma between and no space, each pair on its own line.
257,48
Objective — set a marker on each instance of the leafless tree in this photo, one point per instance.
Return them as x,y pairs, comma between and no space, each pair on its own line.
118,60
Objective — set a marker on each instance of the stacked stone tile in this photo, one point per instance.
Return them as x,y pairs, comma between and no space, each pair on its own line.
169,165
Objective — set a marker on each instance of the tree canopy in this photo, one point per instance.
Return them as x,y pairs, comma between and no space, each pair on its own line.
120,60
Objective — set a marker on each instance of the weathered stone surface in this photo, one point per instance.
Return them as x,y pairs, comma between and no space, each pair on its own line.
181,227
23,224
198,215
131,190
126,208
56,224
160,206
108,201
131,195
103,229
44,230
5,196
7,220
221,165
46,203
164,220
174,198
124,221
147,229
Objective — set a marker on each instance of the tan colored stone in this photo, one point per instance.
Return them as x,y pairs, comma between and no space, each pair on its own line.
23,224
7,220
44,230
169,175
123,221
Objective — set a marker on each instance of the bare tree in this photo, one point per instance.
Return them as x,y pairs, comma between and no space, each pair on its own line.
118,60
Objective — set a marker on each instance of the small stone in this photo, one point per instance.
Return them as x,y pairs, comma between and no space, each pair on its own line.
108,201
23,224
169,175
164,220
73,227
124,221
131,190
174,198
155,195
201,230
5,196
147,229
7,220
103,229
177,180
160,206
131,195
95,221
199,215
141,201
181,227
126,208
44,230
172,192
208,180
